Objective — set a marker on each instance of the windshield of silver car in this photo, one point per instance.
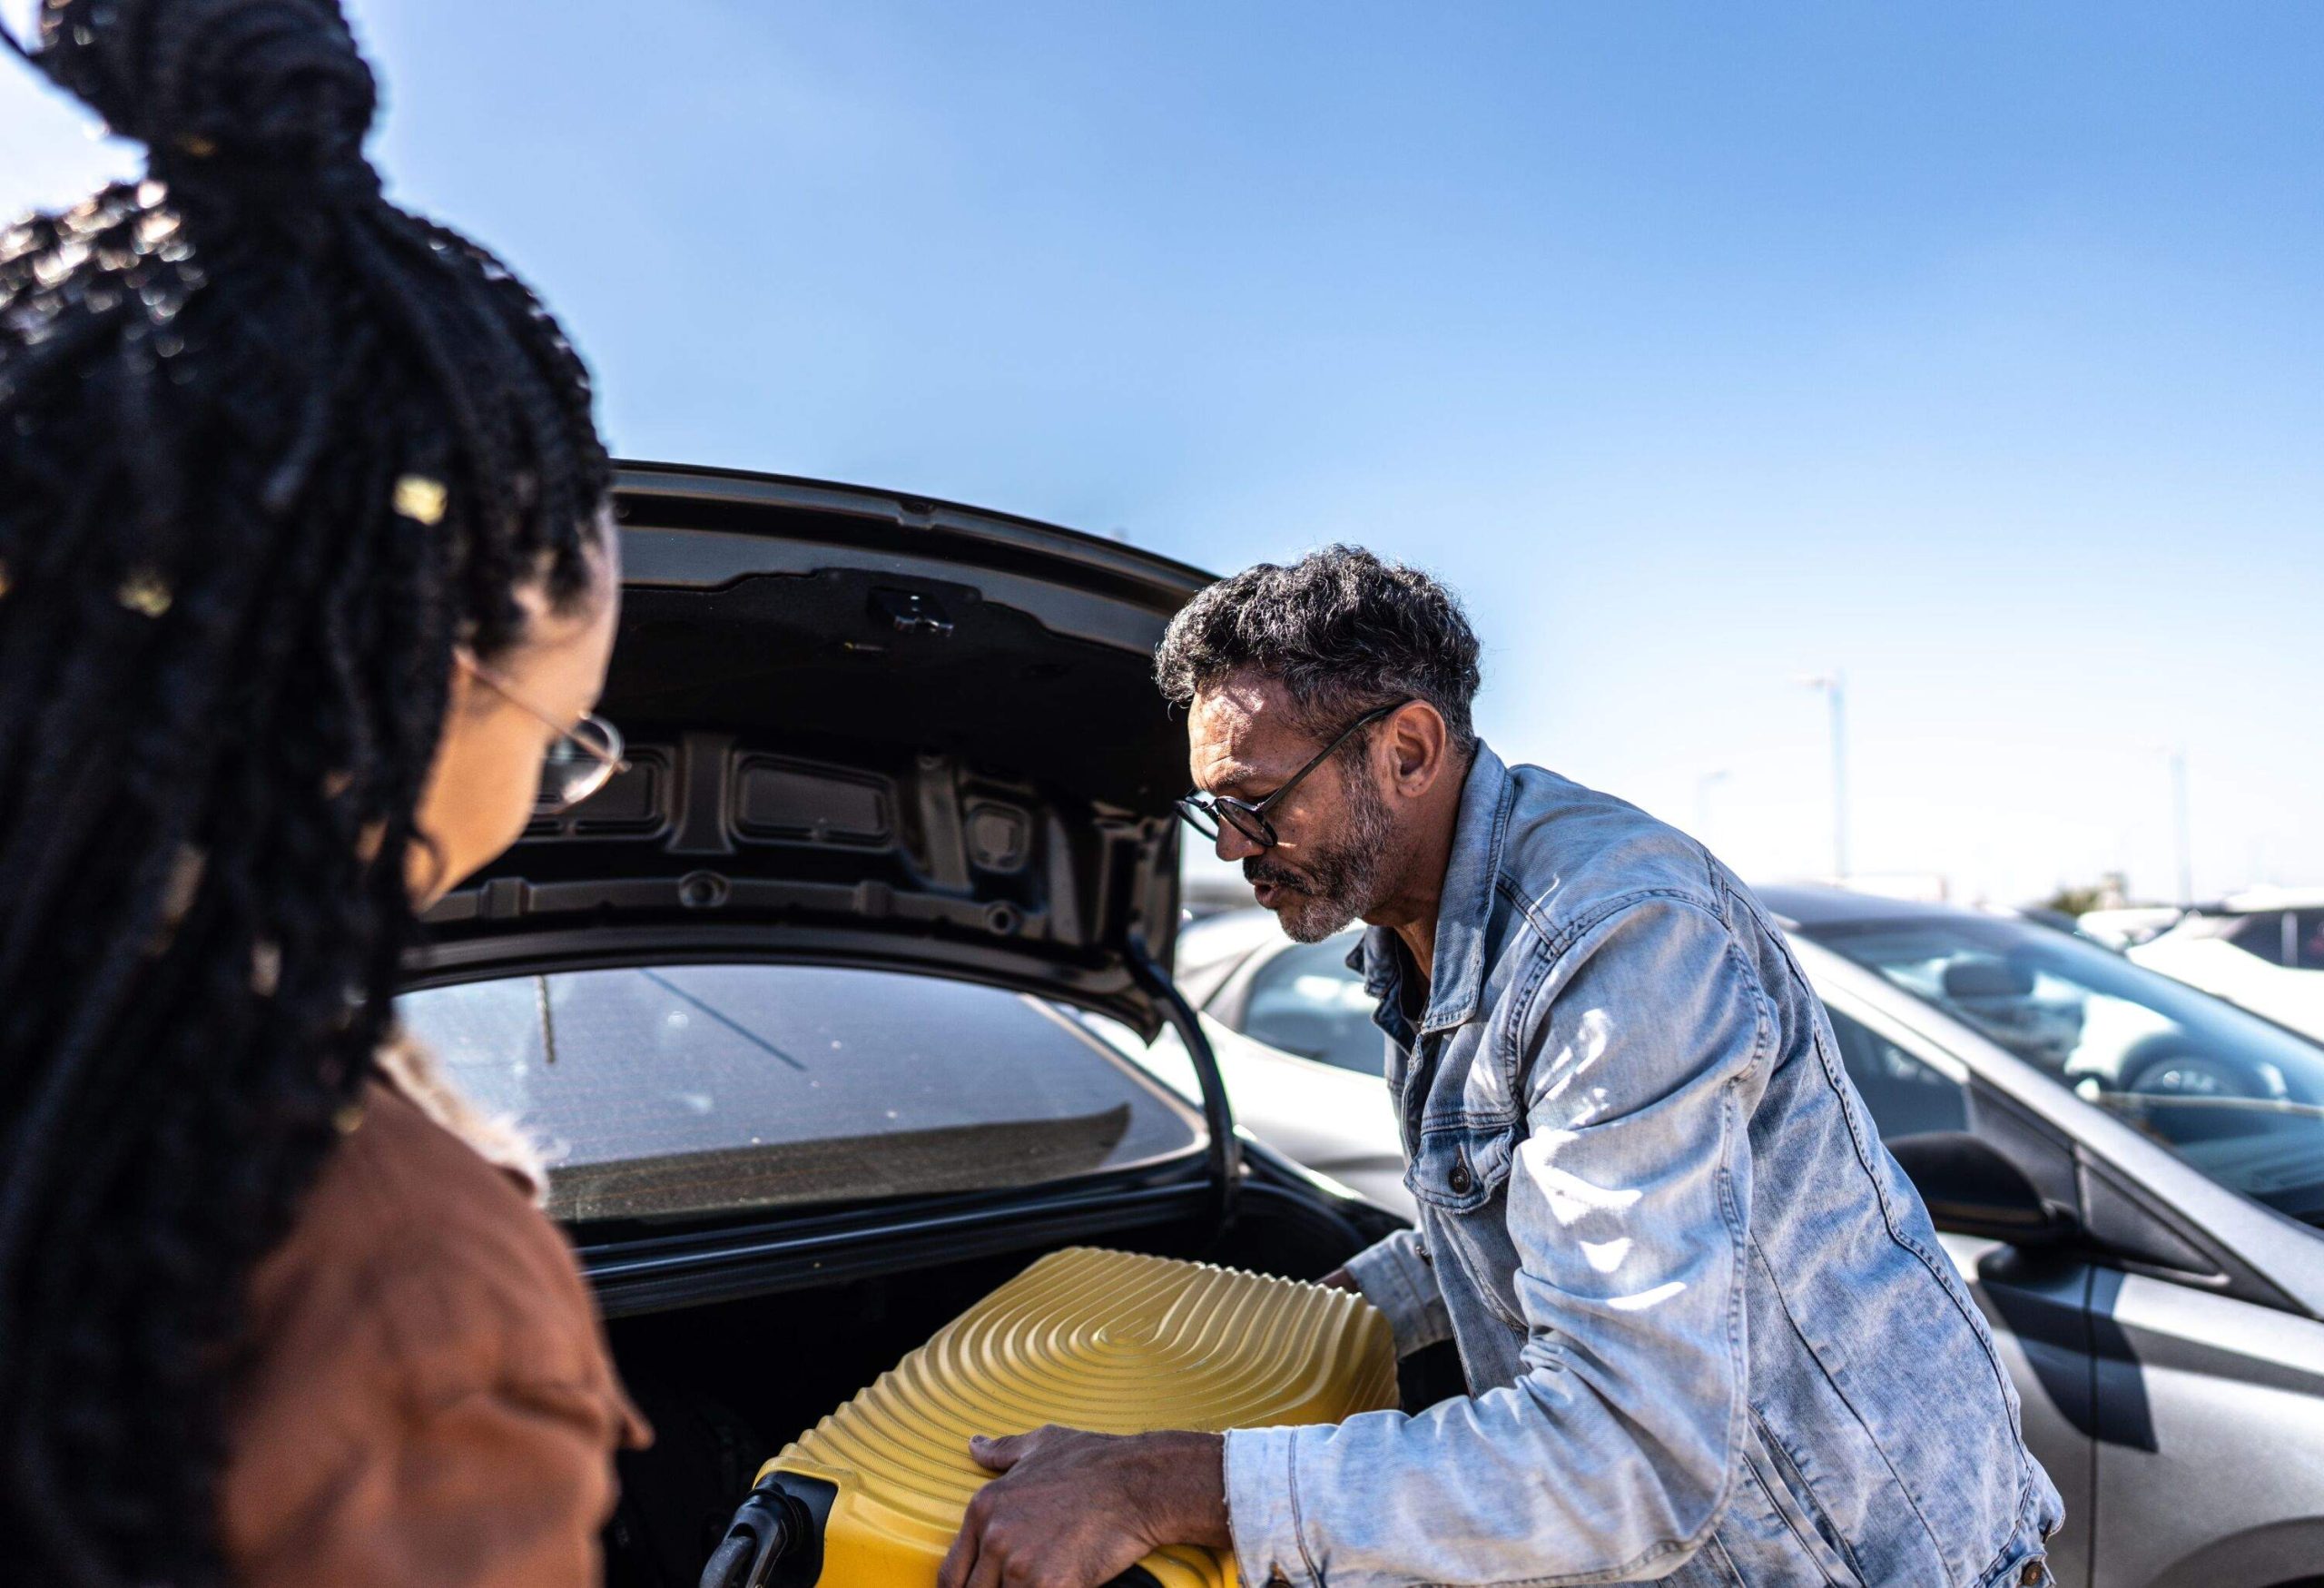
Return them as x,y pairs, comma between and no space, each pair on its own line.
2239,1097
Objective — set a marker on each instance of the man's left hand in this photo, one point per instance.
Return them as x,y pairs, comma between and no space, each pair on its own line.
1073,1510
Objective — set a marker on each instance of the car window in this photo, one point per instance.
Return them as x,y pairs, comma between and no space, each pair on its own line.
1305,1000
1906,1097
2237,1097
682,1089
2265,935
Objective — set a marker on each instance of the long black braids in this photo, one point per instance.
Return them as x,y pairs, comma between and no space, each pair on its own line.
270,448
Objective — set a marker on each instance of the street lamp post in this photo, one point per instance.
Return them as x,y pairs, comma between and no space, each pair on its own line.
2182,845
2180,828
1834,686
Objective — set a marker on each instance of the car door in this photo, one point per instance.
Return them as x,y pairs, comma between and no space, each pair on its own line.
2036,1304
2175,1398
2210,1448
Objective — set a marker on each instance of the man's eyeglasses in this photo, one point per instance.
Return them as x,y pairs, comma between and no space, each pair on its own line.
1204,812
582,758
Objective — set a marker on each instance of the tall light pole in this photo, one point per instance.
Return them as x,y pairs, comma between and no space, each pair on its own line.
2180,827
1834,686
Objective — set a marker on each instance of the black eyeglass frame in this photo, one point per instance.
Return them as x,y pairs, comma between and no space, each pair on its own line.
1203,811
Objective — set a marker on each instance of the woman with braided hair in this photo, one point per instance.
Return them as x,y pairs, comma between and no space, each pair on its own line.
307,585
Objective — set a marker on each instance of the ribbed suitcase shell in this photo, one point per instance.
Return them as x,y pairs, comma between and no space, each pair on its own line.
1109,1341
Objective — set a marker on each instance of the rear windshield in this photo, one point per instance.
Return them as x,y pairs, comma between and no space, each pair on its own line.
667,1091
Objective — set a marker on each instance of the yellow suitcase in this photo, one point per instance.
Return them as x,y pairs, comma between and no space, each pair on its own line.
872,1497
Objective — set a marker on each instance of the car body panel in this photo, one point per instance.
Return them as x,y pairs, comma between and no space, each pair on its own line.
2211,1448
2039,1315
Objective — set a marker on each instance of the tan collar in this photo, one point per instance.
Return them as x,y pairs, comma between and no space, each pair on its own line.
407,1065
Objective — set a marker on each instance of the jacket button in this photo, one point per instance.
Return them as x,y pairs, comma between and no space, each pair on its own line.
1460,1180
2031,1575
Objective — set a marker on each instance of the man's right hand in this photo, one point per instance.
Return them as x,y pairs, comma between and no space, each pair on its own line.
1338,1280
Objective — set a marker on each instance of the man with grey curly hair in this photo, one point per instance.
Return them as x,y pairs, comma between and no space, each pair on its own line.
1340,637
1708,1335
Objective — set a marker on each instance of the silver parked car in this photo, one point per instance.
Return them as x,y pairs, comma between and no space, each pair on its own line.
2129,1173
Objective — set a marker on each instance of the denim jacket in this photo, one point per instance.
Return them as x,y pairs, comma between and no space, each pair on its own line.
1710,1335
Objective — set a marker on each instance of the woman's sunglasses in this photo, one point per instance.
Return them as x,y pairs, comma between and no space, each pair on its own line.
1204,812
582,758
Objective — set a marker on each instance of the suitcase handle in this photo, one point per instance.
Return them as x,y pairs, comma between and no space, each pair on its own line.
776,1539
762,1532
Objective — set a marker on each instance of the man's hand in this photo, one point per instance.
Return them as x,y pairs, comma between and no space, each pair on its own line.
1073,1510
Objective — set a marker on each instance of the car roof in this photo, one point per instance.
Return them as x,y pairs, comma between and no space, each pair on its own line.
1813,905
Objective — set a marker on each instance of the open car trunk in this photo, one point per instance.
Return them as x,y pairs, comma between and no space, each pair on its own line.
871,731
804,996
866,730
868,734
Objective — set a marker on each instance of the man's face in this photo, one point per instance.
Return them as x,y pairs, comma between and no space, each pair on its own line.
1335,834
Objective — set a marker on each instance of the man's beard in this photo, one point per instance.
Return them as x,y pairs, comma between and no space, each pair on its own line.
1336,880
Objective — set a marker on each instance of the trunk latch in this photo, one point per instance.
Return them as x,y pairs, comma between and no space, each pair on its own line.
910,612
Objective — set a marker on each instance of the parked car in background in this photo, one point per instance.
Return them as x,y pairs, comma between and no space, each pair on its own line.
1292,1028
2263,948
2129,1174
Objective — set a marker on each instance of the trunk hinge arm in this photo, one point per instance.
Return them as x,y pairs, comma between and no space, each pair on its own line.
1218,1118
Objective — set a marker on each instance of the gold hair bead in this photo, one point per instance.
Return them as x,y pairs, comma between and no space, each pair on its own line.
179,891
348,1120
195,144
266,967
184,885
145,592
420,499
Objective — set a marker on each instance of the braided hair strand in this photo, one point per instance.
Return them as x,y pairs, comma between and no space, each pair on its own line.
270,448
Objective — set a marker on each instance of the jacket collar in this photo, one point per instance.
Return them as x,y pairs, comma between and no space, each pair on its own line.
1464,906
1464,909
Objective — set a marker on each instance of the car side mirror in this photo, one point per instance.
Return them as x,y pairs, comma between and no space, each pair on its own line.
1971,1189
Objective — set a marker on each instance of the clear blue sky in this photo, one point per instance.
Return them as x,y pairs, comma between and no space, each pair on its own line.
1976,349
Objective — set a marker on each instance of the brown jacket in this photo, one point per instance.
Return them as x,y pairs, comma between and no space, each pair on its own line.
428,1398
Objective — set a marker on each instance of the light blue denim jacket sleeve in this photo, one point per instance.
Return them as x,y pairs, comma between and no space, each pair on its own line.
1640,1053
1398,1279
